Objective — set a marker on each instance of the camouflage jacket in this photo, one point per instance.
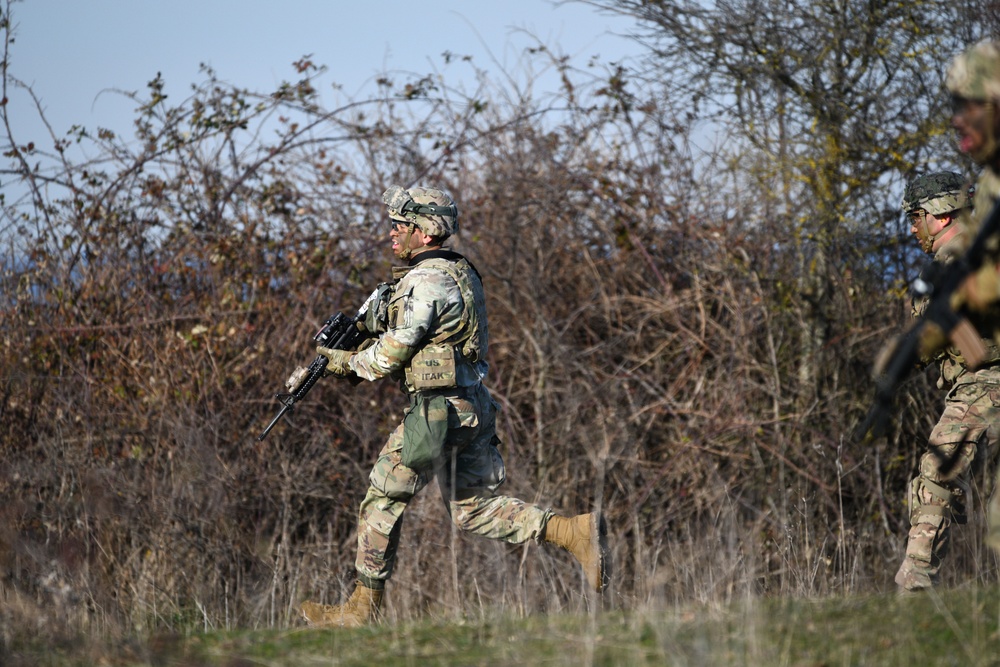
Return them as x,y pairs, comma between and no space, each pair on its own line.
986,321
986,195
437,309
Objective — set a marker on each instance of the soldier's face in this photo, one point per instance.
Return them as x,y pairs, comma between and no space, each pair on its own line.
926,226
975,123
405,239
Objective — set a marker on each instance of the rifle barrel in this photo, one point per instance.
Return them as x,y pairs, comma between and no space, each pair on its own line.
284,408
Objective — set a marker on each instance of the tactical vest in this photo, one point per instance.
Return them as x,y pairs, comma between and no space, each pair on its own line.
464,342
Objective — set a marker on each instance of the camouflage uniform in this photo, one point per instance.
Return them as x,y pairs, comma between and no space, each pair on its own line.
970,419
429,310
987,196
432,337
938,493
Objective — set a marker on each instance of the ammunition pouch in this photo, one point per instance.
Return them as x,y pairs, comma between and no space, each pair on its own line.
377,315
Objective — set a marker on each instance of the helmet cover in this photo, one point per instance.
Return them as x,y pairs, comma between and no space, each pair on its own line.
937,193
975,74
430,209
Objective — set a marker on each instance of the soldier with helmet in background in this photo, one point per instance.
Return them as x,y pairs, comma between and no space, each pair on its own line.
432,337
931,202
935,204
973,82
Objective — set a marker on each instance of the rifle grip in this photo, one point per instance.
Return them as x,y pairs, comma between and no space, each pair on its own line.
965,337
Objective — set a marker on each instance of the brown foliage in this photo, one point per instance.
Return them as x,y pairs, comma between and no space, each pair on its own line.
644,347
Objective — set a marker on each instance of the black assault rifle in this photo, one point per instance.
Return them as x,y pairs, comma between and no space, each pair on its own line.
340,332
904,358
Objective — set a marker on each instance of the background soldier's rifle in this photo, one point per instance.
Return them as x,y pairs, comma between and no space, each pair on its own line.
339,332
904,357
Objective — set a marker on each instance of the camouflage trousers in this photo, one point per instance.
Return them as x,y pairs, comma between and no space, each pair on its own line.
967,429
468,475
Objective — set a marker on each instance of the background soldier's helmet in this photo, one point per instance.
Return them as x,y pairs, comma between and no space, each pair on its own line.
975,74
938,193
430,209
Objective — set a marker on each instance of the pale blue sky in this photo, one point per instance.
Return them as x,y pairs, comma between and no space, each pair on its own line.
69,51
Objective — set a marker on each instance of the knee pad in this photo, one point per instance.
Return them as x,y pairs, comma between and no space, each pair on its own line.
922,494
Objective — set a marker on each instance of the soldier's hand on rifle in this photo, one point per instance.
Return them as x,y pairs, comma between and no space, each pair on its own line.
338,361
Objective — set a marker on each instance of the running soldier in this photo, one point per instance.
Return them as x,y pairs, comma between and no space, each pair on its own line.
938,494
432,337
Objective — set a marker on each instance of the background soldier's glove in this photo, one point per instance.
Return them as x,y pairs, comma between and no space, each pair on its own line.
931,341
338,361
979,290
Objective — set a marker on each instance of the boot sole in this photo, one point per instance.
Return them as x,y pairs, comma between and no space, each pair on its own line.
313,614
325,616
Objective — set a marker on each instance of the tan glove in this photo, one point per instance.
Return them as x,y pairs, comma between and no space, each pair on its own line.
979,290
931,341
339,361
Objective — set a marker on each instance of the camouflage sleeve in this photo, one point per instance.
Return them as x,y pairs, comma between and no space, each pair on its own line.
413,314
986,196
382,358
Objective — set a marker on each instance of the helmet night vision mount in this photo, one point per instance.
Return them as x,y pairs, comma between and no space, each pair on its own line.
399,202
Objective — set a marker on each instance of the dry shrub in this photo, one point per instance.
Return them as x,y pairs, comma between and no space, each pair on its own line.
644,348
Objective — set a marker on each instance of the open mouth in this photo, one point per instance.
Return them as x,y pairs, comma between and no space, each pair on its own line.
965,142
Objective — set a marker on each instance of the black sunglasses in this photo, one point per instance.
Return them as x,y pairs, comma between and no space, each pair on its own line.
959,103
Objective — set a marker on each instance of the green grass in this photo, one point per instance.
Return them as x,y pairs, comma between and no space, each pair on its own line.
957,627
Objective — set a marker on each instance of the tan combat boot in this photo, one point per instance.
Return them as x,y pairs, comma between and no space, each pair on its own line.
360,609
586,537
915,576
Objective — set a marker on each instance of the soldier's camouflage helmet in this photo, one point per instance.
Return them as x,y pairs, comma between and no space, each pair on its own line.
975,74
430,209
938,193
